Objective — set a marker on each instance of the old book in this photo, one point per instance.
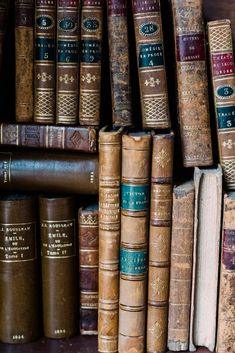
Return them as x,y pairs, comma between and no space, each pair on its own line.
24,49
59,262
4,4
19,269
41,171
67,64
192,83
90,64
207,231
151,64
181,266
119,62
73,138
88,239
226,306
136,149
223,82
44,61
110,142
159,241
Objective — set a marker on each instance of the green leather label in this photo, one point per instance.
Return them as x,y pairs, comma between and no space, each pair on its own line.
134,197
133,262
226,117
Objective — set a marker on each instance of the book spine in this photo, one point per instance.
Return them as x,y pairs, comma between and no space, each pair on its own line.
68,173
159,242
67,64
44,61
133,245
151,64
223,82
19,270
226,315
90,65
119,62
3,21
191,74
88,269
109,238
181,267
24,48
58,262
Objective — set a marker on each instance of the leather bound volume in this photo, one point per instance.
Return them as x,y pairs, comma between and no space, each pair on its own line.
223,82
40,171
88,228
192,83
226,305
90,64
73,138
159,241
110,142
119,62
19,269
151,65
181,266
44,61
59,262
134,239
4,4
67,64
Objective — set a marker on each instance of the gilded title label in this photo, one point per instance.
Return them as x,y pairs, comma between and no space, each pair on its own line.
133,262
134,197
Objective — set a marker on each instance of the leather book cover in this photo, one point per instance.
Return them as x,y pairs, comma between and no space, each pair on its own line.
90,64
136,150
223,82
151,64
42,171
206,250
88,241
67,61
71,138
110,148
226,306
59,263
181,266
44,61
4,4
20,311
119,62
159,241
192,83
24,53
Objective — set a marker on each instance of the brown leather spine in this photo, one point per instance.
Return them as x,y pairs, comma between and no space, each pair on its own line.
67,64
71,138
44,61
192,86
90,65
159,241
109,238
181,266
134,236
3,21
119,62
40,171
58,259
151,65
88,268
226,306
19,270
223,82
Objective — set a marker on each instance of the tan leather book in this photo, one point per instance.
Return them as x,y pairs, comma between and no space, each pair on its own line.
88,242
192,83
159,241
226,306
223,82
206,249
181,266
136,149
20,311
59,263
110,142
